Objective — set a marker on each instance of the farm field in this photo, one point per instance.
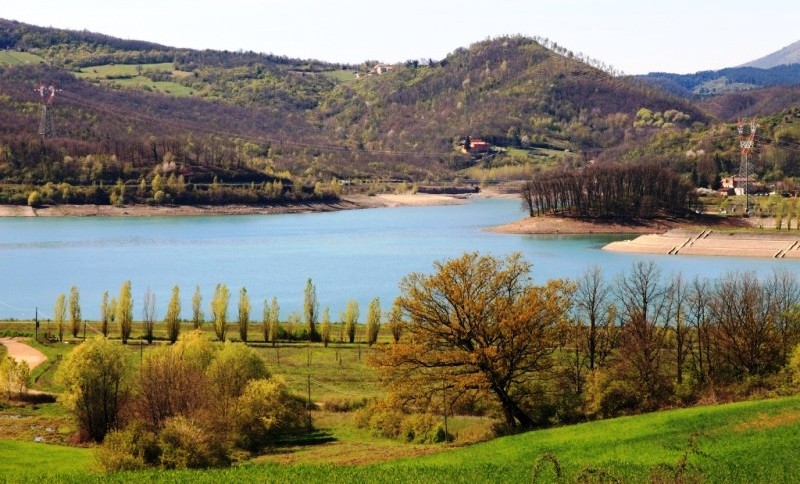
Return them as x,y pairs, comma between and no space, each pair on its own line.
8,57
132,76
740,442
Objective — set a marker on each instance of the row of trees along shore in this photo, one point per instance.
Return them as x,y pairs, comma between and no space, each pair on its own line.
608,190
117,317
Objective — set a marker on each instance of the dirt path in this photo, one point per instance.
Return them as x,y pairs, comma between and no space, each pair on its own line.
22,352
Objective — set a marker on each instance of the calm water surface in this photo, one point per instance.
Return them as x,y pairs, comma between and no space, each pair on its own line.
356,254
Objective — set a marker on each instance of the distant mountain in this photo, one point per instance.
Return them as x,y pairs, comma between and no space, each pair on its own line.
788,55
724,81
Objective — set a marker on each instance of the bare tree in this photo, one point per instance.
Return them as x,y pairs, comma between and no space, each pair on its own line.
149,315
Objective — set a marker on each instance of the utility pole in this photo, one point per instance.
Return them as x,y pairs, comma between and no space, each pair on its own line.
36,323
747,144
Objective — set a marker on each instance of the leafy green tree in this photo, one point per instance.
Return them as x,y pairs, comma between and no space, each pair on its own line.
244,314
274,320
96,384
373,321
59,314
104,314
197,308
351,320
311,310
75,310
219,308
149,315
326,327
124,312
228,374
173,318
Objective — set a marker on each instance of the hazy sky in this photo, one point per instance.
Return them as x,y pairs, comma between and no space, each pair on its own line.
636,36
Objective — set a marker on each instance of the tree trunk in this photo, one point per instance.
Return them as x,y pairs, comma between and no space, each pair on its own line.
515,416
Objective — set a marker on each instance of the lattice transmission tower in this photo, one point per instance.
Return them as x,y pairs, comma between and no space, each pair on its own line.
747,144
47,96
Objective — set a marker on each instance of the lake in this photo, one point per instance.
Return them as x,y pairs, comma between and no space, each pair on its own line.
354,254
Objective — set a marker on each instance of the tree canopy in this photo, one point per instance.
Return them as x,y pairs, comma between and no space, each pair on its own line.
477,327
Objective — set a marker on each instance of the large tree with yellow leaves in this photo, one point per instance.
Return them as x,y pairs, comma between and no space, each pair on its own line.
476,328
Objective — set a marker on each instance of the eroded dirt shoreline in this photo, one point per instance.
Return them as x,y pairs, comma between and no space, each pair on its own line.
346,203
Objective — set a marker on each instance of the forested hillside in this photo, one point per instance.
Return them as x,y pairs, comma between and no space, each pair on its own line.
128,111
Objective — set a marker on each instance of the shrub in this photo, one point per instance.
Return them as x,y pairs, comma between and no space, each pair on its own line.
265,411
132,448
186,445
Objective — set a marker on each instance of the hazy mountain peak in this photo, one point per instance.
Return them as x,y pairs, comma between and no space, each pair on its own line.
788,55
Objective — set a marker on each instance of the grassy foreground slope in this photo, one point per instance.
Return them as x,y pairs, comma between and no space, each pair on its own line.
741,442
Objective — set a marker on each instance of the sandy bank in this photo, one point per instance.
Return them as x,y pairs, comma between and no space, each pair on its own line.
578,226
712,243
346,203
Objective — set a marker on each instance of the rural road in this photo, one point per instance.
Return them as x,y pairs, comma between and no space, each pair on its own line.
22,352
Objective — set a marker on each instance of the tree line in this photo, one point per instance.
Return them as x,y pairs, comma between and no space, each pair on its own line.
607,190
117,317
480,338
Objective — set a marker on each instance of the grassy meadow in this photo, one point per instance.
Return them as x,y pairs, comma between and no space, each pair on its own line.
740,442
11,58
131,76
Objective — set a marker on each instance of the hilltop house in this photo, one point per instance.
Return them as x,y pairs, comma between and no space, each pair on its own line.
476,145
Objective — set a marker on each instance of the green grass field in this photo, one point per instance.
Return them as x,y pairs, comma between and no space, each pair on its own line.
741,442
129,76
8,57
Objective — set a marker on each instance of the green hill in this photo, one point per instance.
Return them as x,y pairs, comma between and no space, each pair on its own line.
231,113
741,442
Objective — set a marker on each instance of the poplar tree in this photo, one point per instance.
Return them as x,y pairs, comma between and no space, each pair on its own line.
265,318
59,314
274,320
104,314
396,321
75,310
351,320
373,321
311,310
124,312
173,317
149,315
219,308
197,308
244,314
326,327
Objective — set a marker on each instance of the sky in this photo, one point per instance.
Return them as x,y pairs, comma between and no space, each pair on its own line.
634,36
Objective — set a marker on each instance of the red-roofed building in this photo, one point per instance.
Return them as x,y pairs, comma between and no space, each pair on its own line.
476,145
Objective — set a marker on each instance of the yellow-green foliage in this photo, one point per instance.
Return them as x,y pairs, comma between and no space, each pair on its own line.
15,377
95,378
266,409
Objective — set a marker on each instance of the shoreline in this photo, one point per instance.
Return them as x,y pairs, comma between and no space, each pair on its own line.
551,225
352,202
713,243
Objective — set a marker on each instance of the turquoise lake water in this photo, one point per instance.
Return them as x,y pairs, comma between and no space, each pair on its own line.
354,254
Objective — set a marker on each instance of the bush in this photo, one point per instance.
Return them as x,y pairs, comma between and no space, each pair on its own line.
34,199
392,423
186,445
132,448
266,411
